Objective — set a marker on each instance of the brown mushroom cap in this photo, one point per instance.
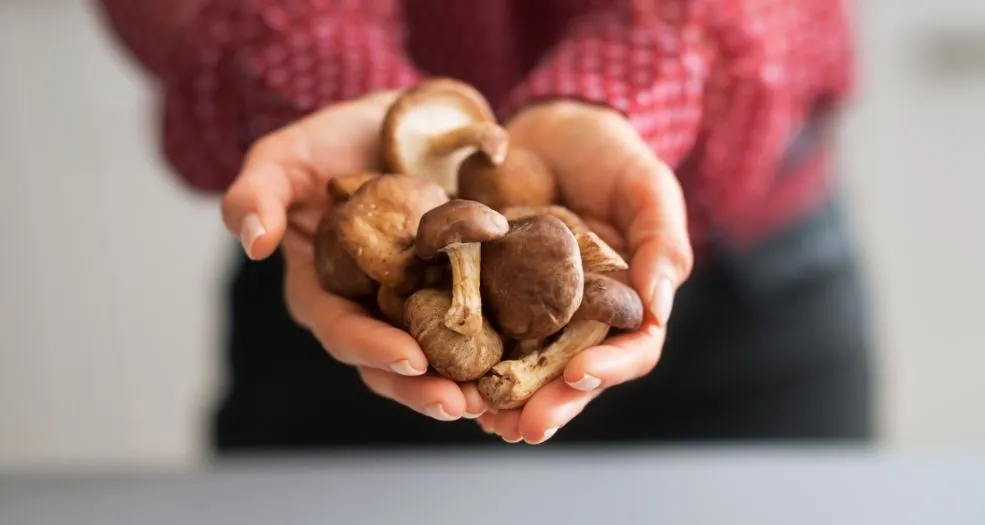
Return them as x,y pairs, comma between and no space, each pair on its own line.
596,255
533,278
342,188
610,302
568,217
451,354
521,180
378,225
435,108
459,228
458,222
337,271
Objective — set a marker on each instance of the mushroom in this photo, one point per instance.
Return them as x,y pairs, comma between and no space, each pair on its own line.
341,188
457,228
532,278
607,304
453,355
337,271
378,224
521,180
565,215
596,255
391,305
431,128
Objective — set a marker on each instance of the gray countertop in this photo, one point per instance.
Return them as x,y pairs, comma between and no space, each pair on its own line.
526,485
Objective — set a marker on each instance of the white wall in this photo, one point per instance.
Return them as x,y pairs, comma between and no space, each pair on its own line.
108,272
914,158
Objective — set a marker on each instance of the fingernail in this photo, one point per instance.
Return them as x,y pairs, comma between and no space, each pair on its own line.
470,415
663,301
404,368
438,412
548,434
251,230
587,383
512,441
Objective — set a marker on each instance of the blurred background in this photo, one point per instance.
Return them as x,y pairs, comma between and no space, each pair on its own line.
109,318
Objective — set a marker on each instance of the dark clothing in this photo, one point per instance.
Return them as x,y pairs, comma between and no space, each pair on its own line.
769,345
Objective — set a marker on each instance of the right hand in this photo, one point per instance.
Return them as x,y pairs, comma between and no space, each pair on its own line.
277,201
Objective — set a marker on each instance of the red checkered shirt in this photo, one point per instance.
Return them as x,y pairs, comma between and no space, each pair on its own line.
717,88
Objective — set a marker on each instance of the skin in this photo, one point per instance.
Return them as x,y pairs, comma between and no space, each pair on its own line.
606,173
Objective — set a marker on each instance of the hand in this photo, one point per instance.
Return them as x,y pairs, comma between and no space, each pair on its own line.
633,201
278,199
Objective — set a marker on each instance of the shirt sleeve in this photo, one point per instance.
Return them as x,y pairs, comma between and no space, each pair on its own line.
147,28
233,70
717,88
644,59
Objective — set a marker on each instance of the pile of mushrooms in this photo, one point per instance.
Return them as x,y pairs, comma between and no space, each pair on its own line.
463,242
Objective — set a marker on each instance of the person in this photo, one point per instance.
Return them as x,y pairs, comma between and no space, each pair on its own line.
696,134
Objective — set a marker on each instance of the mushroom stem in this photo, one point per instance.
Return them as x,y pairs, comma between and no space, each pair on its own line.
597,256
465,314
510,384
487,137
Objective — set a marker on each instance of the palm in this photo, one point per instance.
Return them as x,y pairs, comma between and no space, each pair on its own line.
340,140
609,176
590,153
606,174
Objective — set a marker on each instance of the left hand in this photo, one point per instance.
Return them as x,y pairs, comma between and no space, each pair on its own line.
610,177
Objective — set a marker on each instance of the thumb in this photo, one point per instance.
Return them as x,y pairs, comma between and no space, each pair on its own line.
274,175
652,212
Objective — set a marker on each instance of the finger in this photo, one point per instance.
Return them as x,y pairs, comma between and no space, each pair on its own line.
508,425
475,406
345,329
292,165
620,359
552,407
487,422
276,173
652,212
431,395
